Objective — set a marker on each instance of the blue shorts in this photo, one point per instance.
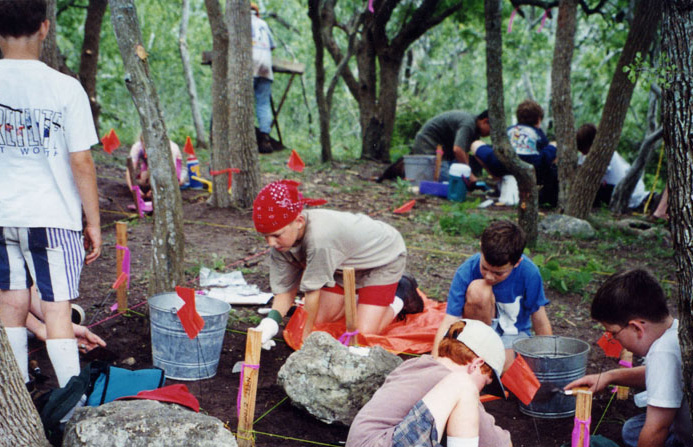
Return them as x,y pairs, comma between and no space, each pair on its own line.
488,158
418,428
51,258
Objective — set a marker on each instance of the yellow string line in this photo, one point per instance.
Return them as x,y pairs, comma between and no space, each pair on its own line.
210,224
295,439
654,184
271,409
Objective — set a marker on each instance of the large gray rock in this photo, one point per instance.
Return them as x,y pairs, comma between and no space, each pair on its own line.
566,226
331,381
144,423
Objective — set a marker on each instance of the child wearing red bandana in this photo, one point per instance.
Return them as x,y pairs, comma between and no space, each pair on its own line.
309,249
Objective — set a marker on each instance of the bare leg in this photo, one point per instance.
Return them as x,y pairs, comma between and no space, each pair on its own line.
480,302
58,319
372,319
331,307
14,307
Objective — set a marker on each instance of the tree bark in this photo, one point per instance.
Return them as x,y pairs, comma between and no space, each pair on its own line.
528,209
589,175
324,112
561,94
221,108
49,49
244,153
167,234
20,424
88,63
189,79
677,117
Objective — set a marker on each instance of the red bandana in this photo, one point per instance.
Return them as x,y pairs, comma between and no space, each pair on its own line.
278,204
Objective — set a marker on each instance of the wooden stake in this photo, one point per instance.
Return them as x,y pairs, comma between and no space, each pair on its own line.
623,391
253,344
349,276
122,240
439,161
583,412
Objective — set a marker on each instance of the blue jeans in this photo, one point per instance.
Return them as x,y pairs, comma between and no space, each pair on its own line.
263,108
632,428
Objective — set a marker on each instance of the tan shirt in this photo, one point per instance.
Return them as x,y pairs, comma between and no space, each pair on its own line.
332,241
403,388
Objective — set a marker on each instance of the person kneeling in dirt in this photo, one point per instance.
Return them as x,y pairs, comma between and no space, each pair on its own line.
425,397
309,249
632,307
138,167
499,286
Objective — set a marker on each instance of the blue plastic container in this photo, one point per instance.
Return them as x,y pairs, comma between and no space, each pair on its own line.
433,188
180,357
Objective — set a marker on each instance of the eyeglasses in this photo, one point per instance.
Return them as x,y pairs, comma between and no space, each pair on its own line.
611,336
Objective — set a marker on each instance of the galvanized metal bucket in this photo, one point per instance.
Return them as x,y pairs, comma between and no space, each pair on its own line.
556,361
180,357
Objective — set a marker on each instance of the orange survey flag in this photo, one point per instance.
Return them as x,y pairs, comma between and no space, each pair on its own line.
192,321
406,207
110,141
295,163
611,346
188,148
520,380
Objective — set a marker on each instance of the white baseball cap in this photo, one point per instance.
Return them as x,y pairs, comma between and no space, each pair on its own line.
483,341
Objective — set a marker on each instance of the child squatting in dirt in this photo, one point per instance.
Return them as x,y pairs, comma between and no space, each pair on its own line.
426,397
309,249
499,286
632,308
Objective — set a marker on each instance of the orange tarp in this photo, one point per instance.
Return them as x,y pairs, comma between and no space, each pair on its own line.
413,335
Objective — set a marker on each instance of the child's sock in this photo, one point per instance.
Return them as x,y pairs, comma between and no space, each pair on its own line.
64,357
20,349
463,442
397,305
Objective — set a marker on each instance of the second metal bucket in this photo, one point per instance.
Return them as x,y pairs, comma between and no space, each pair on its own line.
180,357
556,361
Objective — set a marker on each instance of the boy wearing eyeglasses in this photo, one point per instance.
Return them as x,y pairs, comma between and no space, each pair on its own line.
632,308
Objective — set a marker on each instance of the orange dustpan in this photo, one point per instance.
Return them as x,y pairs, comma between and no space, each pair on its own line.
611,346
520,380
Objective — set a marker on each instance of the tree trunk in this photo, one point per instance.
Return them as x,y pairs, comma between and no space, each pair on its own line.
49,49
189,79
324,112
244,153
561,94
677,116
88,63
167,234
221,151
20,424
588,176
622,192
527,213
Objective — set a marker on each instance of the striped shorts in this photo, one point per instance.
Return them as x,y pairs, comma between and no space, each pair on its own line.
51,258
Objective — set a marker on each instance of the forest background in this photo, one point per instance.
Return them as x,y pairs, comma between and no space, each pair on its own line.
443,70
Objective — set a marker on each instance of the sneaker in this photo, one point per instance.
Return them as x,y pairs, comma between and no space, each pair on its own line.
264,144
408,293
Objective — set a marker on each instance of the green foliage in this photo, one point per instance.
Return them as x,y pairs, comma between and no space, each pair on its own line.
459,220
562,279
649,73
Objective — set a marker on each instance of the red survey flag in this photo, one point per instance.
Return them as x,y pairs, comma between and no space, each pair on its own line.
110,141
295,163
192,321
521,381
406,207
188,148
610,346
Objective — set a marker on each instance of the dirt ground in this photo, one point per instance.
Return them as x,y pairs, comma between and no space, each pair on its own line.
225,239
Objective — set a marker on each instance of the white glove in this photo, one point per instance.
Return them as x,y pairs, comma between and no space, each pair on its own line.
269,329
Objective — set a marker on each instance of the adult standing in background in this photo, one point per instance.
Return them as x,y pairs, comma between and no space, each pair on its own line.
263,44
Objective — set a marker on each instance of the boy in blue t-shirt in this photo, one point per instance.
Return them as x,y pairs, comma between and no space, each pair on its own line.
499,286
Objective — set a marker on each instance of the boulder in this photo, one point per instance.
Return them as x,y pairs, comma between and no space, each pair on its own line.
144,423
332,382
566,226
